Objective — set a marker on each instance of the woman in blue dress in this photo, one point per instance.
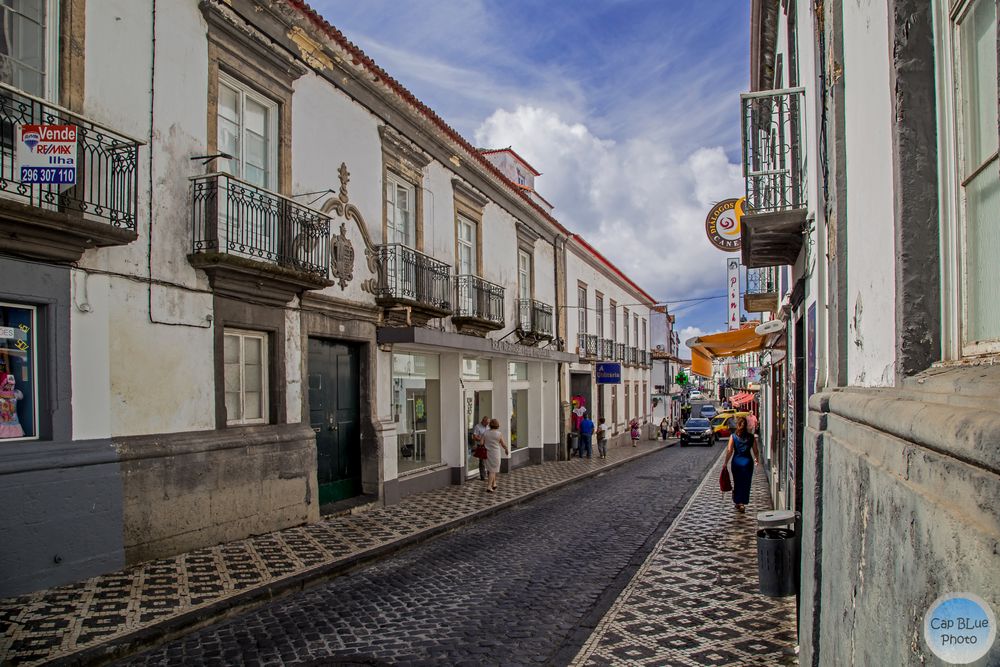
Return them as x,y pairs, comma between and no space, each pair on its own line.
742,444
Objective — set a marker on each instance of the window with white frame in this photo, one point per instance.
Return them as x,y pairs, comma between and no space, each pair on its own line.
581,308
523,275
625,329
245,363
613,319
974,70
599,314
466,247
644,340
635,329
400,199
29,46
248,131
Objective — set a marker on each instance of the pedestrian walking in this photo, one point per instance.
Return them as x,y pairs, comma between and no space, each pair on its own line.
752,422
664,429
602,438
493,439
742,449
677,427
478,431
586,436
634,432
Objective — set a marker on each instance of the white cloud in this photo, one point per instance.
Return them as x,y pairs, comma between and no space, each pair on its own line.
687,333
637,201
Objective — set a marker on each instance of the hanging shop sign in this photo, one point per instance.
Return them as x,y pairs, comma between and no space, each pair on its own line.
723,224
46,154
608,373
733,291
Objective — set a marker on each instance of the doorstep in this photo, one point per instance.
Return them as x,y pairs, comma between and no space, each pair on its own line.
121,613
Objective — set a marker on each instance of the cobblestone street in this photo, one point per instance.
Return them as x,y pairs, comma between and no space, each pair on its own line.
524,586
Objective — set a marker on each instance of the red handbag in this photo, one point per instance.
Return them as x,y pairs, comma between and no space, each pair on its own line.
480,452
725,484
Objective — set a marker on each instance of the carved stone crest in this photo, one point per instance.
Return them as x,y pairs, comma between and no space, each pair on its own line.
342,257
341,250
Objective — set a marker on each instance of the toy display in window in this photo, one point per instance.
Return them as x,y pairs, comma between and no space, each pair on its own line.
10,425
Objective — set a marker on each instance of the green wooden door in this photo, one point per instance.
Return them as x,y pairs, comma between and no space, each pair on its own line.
333,411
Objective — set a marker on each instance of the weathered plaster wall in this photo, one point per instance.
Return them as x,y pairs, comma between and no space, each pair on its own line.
902,490
870,240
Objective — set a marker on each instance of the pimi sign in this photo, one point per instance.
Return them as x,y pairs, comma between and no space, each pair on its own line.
46,154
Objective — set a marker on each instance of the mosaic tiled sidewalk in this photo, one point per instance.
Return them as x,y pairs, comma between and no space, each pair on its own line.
695,600
62,622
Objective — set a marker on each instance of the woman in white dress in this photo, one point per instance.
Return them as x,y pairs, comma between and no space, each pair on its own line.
493,439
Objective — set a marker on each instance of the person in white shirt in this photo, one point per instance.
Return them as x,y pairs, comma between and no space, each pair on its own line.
478,431
602,438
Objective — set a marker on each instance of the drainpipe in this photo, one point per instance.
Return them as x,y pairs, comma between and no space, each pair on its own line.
560,310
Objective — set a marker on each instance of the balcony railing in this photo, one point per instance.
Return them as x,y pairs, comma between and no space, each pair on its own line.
762,281
632,356
587,345
478,299
534,317
407,275
620,352
607,349
236,218
773,164
106,188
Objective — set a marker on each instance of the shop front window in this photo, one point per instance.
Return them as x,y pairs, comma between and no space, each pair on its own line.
475,369
518,418
416,401
518,371
18,372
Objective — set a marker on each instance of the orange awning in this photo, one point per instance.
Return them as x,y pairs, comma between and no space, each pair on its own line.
721,345
741,399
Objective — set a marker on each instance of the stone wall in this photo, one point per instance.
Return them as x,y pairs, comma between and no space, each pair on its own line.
901,504
191,490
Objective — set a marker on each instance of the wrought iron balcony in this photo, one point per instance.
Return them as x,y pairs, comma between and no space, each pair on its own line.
586,345
60,221
774,174
412,286
621,352
479,305
534,321
632,356
607,349
762,290
254,241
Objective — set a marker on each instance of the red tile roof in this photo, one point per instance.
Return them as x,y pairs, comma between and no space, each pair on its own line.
611,266
360,58
489,151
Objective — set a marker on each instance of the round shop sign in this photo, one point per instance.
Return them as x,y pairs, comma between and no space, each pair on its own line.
960,628
723,224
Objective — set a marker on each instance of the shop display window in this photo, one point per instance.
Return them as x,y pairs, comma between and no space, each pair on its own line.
518,418
18,372
518,371
416,401
476,369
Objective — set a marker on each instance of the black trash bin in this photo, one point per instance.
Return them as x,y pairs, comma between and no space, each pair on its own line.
778,553
572,440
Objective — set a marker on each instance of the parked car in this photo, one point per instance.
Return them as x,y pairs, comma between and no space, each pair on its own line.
724,423
697,431
695,395
708,411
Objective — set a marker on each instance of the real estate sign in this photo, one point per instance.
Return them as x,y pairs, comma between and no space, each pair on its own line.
46,154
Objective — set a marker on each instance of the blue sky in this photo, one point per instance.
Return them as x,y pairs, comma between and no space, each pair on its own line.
629,108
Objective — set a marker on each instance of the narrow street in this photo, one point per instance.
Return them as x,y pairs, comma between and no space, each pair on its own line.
526,586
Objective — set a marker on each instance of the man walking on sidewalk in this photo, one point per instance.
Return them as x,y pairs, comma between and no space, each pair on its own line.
586,436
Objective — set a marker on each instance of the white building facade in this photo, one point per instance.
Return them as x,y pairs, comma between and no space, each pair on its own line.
280,283
872,176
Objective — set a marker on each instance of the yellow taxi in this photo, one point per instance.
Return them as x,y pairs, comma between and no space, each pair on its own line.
724,423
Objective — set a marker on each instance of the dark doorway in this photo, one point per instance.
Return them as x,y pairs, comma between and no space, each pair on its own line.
801,409
333,415
579,385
